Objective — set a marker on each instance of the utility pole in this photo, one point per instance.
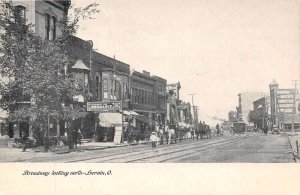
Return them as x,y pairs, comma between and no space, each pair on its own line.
294,107
192,94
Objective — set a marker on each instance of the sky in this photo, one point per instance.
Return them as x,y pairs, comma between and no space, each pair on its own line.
215,48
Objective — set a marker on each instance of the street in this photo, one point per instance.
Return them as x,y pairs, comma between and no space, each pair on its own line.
248,147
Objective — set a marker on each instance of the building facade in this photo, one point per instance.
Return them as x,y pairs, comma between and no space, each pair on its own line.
107,81
46,19
148,99
261,112
246,104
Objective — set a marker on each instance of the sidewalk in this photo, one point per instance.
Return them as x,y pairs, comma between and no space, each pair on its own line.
293,139
16,154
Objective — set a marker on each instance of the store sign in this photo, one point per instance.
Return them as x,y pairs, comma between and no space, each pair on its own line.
104,106
285,100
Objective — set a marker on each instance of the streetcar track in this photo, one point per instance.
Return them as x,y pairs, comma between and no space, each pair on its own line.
178,151
143,151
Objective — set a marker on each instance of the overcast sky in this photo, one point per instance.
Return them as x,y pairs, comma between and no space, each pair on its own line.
215,48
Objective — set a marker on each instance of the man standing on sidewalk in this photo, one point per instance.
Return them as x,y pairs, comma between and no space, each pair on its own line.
154,140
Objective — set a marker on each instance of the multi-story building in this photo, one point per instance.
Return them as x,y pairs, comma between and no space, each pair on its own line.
185,114
261,114
107,81
46,19
175,87
148,99
246,104
161,101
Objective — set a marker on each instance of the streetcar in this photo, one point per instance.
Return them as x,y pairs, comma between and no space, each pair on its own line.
239,127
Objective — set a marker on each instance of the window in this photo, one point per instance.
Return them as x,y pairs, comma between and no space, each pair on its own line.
135,96
125,91
20,14
53,28
142,94
50,27
47,26
105,88
111,88
97,87
86,80
132,95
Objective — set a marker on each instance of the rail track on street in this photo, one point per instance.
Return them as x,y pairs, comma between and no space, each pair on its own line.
165,153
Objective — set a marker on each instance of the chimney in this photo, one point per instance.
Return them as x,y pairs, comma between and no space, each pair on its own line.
146,72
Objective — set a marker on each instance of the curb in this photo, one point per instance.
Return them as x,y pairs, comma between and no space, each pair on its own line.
294,151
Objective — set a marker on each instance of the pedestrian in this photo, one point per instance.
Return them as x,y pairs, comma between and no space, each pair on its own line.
75,137
265,129
192,133
154,139
218,129
79,136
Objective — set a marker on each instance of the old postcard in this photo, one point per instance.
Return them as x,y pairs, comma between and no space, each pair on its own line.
150,97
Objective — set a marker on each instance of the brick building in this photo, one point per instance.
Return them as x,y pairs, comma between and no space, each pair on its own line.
46,18
148,99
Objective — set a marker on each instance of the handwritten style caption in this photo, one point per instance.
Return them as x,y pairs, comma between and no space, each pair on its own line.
67,173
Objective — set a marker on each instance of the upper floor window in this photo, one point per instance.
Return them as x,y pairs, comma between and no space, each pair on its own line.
105,88
53,28
47,26
20,14
50,27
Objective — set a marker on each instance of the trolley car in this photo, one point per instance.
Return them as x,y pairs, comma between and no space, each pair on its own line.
239,127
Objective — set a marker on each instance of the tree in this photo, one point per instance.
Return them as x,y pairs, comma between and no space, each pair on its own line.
37,87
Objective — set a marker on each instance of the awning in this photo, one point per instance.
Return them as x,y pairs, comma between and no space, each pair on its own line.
80,65
129,112
110,119
134,113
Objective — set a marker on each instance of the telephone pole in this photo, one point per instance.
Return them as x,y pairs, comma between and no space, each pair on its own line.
294,107
192,94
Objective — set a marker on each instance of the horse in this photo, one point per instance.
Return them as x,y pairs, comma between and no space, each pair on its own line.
205,132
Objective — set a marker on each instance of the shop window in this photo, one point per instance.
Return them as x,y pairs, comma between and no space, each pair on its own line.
79,79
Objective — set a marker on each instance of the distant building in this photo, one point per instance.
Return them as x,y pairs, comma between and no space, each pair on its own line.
175,87
246,104
185,114
148,99
232,116
285,107
261,112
